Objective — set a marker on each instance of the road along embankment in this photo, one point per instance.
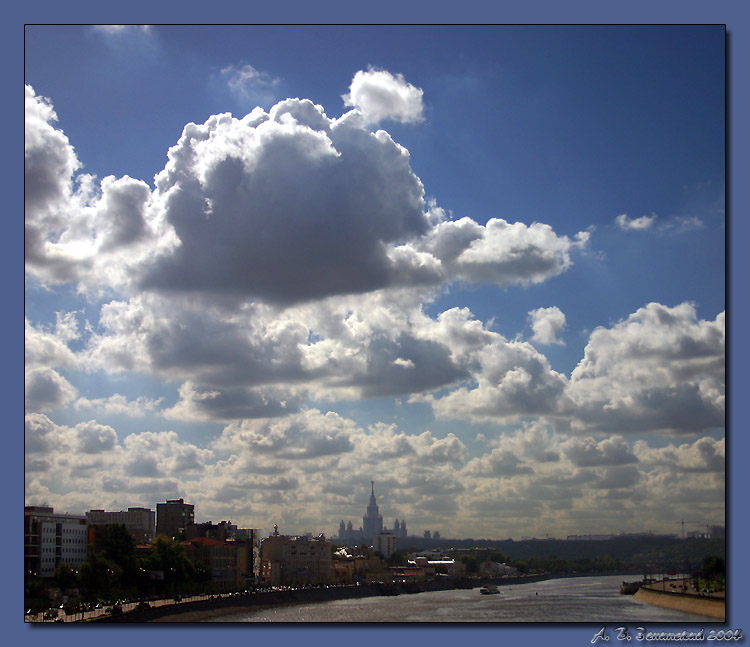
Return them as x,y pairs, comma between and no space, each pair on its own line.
223,605
680,602
205,610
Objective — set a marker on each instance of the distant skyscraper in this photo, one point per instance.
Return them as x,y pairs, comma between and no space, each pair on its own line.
399,529
372,522
372,525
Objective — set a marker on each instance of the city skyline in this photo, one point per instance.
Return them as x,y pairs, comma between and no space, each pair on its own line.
488,278
137,517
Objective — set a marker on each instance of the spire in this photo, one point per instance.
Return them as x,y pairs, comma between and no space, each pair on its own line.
372,521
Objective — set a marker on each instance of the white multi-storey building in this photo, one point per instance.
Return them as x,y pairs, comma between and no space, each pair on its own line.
52,539
385,544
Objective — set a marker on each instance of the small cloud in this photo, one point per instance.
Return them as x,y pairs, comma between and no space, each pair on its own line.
380,95
122,29
634,224
587,452
674,225
119,405
406,363
46,389
682,224
250,85
546,322
94,438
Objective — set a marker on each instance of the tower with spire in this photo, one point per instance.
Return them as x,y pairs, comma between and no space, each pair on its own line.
372,522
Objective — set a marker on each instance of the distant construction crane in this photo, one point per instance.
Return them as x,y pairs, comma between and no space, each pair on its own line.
700,523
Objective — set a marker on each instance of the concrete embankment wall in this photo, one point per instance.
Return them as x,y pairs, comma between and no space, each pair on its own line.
687,603
226,604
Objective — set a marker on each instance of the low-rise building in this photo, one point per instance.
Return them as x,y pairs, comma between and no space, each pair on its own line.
343,571
409,573
219,556
496,569
371,569
296,561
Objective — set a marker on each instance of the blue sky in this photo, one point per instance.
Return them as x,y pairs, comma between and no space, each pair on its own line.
492,278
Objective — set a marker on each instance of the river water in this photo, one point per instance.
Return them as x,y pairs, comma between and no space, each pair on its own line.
580,599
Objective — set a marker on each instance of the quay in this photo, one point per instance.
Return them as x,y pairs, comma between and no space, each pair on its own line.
219,605
679,595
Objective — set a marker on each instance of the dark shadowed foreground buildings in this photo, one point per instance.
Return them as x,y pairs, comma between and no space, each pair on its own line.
140,522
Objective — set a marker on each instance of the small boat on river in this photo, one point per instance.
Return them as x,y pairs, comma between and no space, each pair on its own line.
489,589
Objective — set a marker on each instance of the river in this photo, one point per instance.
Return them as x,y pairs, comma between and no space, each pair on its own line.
579,599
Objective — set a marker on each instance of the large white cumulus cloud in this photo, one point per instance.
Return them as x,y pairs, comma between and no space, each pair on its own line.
75,230
49,160
280,256
659,370
49,164
287,255
287,261
501,253
46,389
283,207
286,206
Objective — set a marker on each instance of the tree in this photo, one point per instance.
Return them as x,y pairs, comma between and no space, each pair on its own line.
99,576
65,576
168,557
521,565
364,550
34,588
201,572
714,567
471,563
34,597
119,548
118,544
497,557
397,559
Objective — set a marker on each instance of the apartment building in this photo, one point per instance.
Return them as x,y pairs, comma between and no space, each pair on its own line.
296,561
51,539
173,517
140,522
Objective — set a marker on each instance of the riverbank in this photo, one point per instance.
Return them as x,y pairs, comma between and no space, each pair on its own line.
555,600
712,607
207,610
